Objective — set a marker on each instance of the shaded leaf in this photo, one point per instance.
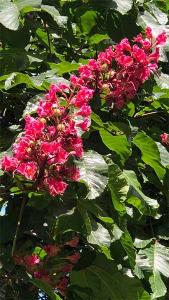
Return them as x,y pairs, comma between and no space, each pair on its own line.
118,186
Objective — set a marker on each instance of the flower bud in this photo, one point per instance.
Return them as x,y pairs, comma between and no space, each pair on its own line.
57,112
28,150
61,127
43,120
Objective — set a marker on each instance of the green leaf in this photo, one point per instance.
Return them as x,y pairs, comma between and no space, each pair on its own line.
135,190
9,15
138,243
88,21
163,80
118,144
123,6
28,3
51,10
64,67
159,14
102,280
97,38
155,259
164,154
99,235
158,287
128,245
150,153
13,60
46,288
118,187
93,172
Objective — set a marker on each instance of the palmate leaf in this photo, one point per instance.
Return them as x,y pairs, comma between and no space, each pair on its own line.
102,280
93,172
155,259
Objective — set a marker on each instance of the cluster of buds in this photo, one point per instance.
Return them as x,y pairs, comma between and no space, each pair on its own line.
44,151
119,71
58,276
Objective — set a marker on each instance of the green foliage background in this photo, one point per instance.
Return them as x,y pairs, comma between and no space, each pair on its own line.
121,208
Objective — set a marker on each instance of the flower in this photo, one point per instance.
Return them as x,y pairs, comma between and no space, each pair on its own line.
164,138
31,260
51,250
74,257
56,186
27,169
9,163
74,242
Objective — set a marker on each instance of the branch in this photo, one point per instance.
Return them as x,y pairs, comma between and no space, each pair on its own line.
18,226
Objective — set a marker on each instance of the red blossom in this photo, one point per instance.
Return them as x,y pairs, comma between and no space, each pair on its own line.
74,257
9,163
31,260
52,250
28,169
164,138
74,242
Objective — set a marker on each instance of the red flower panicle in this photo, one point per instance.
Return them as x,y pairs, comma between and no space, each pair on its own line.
42,152
38,267
119,71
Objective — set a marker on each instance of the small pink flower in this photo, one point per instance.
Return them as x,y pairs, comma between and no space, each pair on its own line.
9,163
62,285
51,250
74,258
28,169
148,32
74,242
164,138
50,147
45,109
84,125
161,38
56,187
85,111
67,268
31,260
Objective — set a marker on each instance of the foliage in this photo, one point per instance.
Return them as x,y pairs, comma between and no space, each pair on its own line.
119,207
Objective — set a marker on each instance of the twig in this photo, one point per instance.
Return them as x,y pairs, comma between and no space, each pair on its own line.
146,114
18,226
48,36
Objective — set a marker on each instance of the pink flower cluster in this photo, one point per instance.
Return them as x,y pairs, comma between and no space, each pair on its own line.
43,152
59,278
119,71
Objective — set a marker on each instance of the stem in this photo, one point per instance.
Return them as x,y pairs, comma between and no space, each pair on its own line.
18,226
46,29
